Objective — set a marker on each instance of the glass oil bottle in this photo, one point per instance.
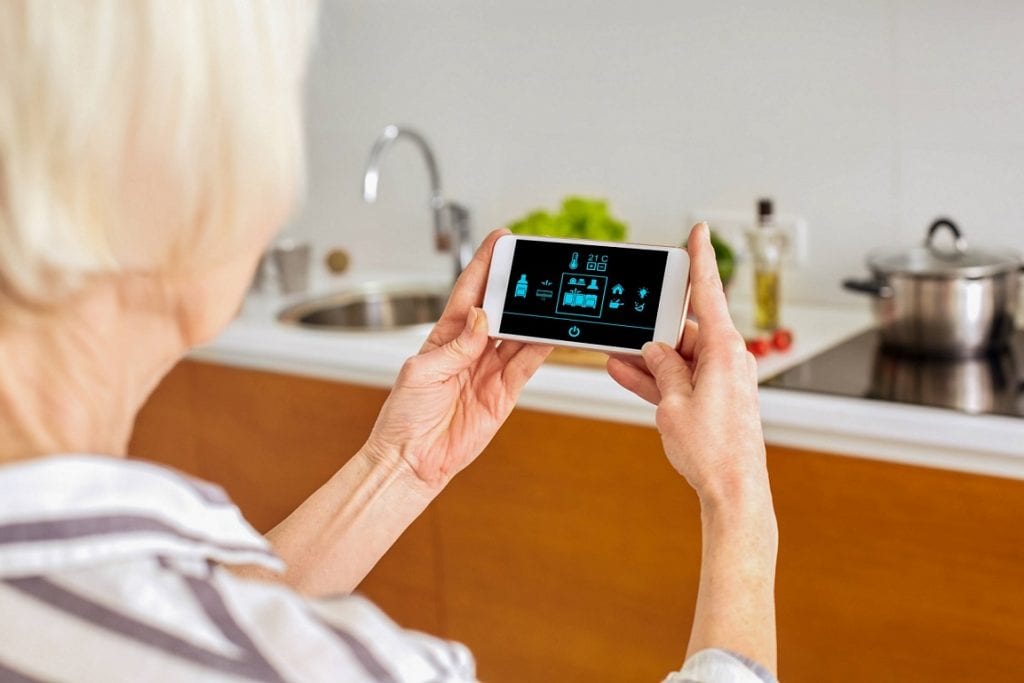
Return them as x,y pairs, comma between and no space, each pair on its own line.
767,247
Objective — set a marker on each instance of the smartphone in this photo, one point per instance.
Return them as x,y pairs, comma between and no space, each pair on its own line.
603,296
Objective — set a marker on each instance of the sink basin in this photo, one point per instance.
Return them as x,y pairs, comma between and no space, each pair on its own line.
368,308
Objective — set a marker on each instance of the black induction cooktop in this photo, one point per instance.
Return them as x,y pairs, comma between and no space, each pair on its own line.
861,368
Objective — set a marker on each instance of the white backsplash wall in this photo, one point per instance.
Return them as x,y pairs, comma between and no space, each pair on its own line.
868,119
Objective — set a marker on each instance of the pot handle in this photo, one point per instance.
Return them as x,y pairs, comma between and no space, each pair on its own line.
872,287
959,243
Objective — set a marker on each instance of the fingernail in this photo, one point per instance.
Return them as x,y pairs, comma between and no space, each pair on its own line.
653,351
471,319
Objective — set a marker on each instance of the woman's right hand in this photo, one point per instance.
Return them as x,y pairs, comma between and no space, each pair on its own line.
710,426
706,393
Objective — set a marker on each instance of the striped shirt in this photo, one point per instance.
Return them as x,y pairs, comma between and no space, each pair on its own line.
113,570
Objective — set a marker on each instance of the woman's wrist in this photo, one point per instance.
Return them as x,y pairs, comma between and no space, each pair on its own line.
743,500
339,533
390,461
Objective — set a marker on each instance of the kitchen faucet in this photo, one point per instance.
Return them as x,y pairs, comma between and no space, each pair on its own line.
451,220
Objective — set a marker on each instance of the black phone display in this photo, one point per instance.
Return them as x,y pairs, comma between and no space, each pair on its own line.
582,293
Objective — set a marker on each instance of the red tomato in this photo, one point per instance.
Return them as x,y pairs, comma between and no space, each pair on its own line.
782,339
759,347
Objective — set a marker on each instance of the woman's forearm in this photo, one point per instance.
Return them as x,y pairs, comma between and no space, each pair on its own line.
338,534
736,602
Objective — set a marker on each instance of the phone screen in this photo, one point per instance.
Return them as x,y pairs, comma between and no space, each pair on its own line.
581,293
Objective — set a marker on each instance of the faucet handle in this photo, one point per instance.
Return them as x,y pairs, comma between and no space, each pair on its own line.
443,240
442,229
457,228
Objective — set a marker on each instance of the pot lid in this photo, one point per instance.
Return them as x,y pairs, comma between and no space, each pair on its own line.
954,261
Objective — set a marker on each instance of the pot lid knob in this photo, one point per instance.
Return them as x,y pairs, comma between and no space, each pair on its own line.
959,243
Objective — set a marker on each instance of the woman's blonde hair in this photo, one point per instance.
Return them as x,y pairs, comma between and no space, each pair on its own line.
142,134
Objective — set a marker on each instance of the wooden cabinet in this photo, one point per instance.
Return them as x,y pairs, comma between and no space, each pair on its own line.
570,550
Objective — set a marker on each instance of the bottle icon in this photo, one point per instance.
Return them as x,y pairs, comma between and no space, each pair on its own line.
574,262
521,287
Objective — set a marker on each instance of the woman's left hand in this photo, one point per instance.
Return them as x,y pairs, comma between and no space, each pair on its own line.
451,398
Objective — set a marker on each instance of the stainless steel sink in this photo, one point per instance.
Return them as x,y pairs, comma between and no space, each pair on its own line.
368,308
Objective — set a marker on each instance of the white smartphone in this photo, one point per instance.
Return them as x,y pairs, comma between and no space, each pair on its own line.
604,296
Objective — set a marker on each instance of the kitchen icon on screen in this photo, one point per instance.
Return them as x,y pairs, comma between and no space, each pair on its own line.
615,303
581,295
643,292
639,306
574,331
574,262
574,298
544,294
618,289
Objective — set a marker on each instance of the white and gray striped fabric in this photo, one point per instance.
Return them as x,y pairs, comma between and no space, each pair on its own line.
112,570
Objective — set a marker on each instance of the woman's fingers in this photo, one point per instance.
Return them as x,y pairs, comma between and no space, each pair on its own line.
467,293
508,348
635,361
521,364
629,376
707,296
672,375
691,331
449,359
469,288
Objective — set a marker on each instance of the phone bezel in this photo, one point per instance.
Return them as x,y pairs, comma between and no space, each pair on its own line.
672,306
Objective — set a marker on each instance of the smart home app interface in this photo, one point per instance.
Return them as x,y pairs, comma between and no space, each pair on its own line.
594,295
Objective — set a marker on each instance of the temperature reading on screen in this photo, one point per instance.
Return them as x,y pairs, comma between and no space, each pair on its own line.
597,263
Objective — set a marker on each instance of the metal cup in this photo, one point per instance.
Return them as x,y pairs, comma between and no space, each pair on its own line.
287,263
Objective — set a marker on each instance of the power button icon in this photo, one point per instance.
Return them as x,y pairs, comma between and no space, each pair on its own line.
574,331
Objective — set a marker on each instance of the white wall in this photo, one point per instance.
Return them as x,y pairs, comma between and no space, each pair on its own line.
868,118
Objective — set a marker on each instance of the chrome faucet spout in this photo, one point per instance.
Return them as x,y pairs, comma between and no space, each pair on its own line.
451,220
371,177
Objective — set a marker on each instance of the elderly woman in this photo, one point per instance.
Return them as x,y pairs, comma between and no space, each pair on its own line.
148,152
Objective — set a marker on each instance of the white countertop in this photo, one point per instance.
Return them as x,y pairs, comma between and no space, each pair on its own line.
874,429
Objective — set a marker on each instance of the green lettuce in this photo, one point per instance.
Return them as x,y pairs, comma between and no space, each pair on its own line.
579,217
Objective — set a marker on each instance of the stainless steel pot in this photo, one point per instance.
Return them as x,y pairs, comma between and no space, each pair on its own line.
952,303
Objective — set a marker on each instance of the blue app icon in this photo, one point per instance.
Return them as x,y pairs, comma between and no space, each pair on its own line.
521,287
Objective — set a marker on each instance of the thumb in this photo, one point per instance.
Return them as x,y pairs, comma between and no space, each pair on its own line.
457,354
669,369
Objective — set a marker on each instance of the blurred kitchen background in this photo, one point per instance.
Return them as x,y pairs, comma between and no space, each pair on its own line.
867,119
570,550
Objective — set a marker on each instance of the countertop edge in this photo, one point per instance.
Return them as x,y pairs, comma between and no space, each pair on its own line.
987,445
